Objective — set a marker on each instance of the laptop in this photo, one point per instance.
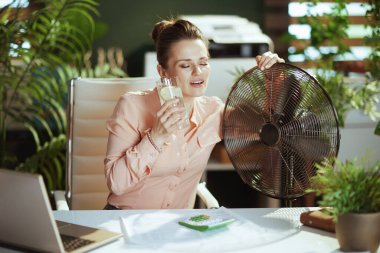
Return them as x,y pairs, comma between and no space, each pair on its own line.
27,222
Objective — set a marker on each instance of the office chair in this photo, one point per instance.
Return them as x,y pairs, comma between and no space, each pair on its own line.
91,102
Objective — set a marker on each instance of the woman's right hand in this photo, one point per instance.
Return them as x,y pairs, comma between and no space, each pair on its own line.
169,117
267,60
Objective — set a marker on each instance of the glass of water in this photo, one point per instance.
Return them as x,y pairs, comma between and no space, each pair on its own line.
168,89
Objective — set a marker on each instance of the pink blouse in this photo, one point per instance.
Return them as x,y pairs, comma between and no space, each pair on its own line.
138,176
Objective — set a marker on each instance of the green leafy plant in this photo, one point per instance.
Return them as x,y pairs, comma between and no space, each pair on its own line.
330,29
109,64
39,52
42,162
373,40
349,187
377,129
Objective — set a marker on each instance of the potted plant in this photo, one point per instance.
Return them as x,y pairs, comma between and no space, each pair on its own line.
352,190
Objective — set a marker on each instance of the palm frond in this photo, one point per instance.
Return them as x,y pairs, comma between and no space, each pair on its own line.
48,161
39,54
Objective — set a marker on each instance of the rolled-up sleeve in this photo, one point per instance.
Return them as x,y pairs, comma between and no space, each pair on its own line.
130,155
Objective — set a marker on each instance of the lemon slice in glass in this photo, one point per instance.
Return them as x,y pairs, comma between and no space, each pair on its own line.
167,93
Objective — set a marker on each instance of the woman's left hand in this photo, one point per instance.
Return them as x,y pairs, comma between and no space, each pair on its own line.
267,60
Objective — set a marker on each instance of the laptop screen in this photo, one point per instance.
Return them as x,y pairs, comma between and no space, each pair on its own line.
26,218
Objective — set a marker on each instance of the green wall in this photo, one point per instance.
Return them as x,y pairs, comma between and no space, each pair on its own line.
130,22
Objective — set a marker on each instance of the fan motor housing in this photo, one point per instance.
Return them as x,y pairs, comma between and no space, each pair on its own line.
270,134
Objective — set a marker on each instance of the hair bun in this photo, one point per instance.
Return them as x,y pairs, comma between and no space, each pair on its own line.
159,27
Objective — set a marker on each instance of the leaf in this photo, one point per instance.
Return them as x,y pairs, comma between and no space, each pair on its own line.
377,129
42,162
352,186
33,81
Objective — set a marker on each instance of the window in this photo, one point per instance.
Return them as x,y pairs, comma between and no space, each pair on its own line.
13,3
356,31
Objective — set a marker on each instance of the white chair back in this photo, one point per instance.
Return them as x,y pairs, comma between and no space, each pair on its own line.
91,102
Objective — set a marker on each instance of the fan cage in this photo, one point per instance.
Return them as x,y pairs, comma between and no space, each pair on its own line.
277,124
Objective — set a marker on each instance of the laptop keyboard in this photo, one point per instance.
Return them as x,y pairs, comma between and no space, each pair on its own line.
71,243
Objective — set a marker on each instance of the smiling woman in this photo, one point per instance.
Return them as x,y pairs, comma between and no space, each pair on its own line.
182,52
151,163
189,62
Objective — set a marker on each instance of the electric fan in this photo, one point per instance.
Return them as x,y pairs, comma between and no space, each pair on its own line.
277,124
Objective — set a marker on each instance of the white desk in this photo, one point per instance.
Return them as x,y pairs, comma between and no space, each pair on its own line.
301,239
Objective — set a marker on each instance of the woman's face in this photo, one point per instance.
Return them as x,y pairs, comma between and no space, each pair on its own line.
189,62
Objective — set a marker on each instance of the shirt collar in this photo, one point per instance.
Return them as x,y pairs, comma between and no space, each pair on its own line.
196,118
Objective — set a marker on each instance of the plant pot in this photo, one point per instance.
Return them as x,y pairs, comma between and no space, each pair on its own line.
358,232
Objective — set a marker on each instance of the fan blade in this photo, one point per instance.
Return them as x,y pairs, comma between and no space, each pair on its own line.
249,93
252,86
271,173
288,99
243,116
249,162
304,143
305,136
282,93
237,100
274,175
296,173
259,166
240,147
312,149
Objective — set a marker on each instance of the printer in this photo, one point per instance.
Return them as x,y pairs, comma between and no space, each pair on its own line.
232,36
233,44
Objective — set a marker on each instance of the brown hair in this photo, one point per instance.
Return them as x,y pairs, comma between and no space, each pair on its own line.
167,32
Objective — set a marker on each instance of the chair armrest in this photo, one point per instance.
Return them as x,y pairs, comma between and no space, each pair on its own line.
206,196
60,201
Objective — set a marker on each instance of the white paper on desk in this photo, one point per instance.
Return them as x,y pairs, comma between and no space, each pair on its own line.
160,230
